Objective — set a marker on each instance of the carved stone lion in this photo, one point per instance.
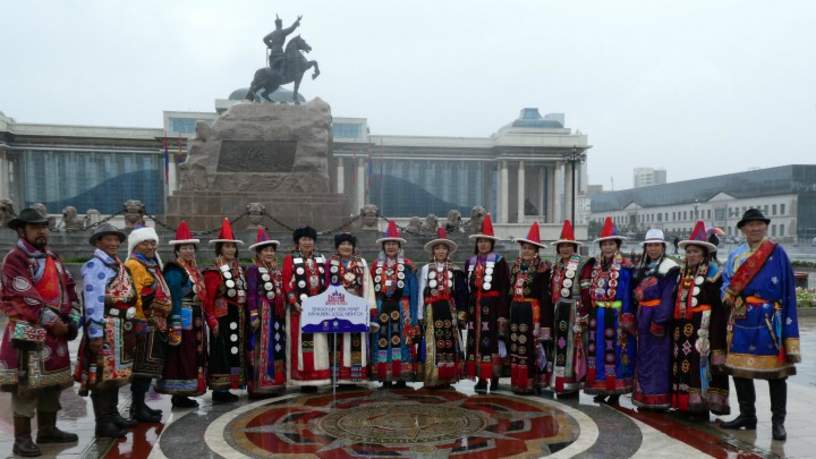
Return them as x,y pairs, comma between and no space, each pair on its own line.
6,211
43,210
414,225
92,216
70,219
134,212
454,223
430,224
369,216
475,223
256,211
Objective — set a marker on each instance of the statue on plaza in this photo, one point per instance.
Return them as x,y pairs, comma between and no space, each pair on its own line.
369,216
70,220
454,223
43,210
475,222
134,212
286,65
429,225
6,212
255,212
414,225
92,216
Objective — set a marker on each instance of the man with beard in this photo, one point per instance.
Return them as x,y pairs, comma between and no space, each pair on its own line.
39,299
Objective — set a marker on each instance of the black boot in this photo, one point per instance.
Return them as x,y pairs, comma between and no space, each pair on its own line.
481,386
599,399
400,385
613,400
118,419
23,445
47,431
747,397
180,401
779,399
103,407
224,396
494,384
138,390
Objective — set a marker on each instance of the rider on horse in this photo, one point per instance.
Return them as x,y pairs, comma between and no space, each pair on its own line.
274,42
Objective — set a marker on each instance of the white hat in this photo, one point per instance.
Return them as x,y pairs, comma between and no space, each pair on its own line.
141,234
654,236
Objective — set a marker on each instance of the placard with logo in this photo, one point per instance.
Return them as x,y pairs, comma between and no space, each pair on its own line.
334,311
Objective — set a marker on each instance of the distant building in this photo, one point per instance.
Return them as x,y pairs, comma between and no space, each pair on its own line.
592,189
785,194
646,176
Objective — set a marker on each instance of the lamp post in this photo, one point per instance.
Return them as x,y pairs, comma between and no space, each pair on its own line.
575,156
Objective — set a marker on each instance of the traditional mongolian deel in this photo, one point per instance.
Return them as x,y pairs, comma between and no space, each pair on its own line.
606,287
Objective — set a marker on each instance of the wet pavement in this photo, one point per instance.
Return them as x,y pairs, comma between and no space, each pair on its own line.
577,428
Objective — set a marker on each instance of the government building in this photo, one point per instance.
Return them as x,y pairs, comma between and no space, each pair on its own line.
785,194
525,171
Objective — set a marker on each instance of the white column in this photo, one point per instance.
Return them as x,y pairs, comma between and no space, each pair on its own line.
361,178
341,176
504,194
558,209
5,191
521,192
568,187
541,193
584,178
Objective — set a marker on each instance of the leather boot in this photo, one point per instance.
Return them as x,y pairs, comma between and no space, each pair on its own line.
747,397
103,407
494,384
779,400
23,445
47,431
118,419
139,388
481,386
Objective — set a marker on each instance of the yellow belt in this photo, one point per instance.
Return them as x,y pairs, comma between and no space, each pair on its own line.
608,304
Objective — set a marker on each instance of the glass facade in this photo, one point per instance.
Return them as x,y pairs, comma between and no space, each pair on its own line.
182,125
407,188
347,130
101,180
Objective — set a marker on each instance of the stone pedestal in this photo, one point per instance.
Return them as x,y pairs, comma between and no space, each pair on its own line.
273,154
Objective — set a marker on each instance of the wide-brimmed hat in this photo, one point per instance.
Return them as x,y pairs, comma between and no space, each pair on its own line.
486,232
103,230
699,236
262,239
567,235
392,233
29,216
184,235
609,232
752,215
533,236
226,234
654,236
441,238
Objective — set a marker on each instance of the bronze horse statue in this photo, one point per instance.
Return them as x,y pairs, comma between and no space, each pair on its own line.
267,81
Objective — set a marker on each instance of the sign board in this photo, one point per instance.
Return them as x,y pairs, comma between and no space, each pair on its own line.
334,311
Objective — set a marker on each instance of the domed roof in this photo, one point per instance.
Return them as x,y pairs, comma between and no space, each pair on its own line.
281,95
531,118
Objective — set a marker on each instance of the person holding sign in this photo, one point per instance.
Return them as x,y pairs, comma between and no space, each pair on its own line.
266,343
443,287
394,343
304,275
224,307
350,271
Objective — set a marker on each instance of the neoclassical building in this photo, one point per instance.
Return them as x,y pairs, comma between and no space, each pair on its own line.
522,172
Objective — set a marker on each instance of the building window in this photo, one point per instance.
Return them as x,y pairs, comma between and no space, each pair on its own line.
773,209
182,125
346,130
773,230
684,215
781,230
709,214
781,209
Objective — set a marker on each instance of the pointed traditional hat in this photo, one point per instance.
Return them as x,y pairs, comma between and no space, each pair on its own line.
699,236
486,231
533,236
609,232
226,234
183,235
567,235
392,233
441,238
262,239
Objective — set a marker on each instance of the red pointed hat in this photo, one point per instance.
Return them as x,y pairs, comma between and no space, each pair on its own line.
392,233
441,238
609,232
226,234
183,235
487,230
262,239
567,235
533,236
699,236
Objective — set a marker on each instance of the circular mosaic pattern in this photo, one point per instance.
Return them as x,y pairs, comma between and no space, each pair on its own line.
402,423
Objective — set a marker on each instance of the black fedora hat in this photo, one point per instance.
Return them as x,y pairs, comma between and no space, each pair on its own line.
752,215
28,216
105,229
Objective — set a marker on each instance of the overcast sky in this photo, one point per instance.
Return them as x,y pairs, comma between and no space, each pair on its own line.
697,87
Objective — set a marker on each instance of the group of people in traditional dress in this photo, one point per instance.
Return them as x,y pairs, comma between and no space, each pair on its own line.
667,332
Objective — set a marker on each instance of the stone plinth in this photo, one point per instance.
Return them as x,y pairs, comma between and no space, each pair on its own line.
273,154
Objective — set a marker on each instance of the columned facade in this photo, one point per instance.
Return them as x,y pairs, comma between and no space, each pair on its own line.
5,174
